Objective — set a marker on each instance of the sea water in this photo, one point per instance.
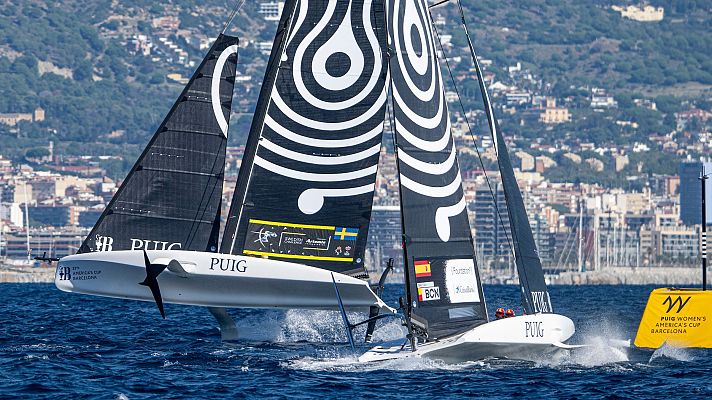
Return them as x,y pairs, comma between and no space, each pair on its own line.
59,345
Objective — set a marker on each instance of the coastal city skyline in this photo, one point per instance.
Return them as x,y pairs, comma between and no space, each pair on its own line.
592,203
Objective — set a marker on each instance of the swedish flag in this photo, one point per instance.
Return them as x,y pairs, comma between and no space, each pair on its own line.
345,233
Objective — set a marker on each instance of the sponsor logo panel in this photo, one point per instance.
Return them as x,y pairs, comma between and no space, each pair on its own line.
300,241
461,281
678,304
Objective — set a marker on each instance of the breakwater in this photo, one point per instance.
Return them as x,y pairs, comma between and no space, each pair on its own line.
26,274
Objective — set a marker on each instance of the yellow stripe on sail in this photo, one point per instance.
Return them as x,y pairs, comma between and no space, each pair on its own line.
297,256
290,225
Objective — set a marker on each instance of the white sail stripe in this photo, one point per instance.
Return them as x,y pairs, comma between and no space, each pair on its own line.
312,200
343,38
429,93
425,145
215,88
443,215
319,160
314,177
428,123
428,168
432,191
299,54
328,126
302,15
323,143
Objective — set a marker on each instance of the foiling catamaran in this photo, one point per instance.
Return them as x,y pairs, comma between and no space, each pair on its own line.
296,232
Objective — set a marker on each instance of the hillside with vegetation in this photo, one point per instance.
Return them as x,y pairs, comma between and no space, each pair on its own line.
79,62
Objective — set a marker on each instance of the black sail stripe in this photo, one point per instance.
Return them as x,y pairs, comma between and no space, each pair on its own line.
442,279
313,168
177,181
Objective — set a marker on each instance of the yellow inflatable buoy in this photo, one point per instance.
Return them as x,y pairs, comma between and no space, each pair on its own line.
680,317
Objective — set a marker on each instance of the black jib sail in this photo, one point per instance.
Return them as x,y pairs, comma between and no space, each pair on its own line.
306,183
535,295
443,285
171,198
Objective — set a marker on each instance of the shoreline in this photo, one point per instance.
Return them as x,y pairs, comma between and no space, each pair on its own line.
26,274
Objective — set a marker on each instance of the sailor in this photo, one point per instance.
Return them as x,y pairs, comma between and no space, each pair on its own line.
499,313
510,313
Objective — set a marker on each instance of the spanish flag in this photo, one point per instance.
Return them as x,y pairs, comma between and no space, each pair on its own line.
422,269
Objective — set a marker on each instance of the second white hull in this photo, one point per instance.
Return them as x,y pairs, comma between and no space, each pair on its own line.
528,337
210,279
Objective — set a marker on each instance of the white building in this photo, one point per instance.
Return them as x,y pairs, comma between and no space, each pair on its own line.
272,10
641,13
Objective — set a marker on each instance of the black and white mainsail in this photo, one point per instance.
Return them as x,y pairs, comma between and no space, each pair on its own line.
171,198
535,295
306,183
443,285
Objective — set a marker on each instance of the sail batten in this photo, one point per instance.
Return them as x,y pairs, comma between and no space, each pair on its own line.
314,145
172,195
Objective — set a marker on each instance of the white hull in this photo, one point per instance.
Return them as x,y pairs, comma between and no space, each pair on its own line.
528,337
211,279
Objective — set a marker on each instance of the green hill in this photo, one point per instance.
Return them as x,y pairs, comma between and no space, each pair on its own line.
73,58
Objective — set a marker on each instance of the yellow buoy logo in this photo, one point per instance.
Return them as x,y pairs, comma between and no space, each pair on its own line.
678,302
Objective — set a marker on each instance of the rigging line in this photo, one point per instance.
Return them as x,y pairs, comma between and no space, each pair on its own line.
407,313
563,250
437,4
474,142
571,249
237,8
494,130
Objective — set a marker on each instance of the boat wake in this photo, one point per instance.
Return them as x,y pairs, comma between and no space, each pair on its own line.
313,326
350,363
668,351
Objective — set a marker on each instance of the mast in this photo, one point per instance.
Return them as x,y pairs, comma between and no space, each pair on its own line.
703,179
535,295
2,225
580,237
27,224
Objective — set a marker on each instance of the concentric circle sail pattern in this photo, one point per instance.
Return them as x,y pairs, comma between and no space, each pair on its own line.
426,152
319,144
442,278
